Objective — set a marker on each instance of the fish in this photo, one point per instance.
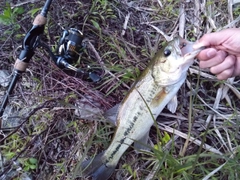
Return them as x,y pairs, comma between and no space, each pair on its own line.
155,89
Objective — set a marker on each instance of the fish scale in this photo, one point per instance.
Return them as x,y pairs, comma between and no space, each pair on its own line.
156,87
137,117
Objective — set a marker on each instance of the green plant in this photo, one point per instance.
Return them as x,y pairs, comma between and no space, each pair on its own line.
12,146
130,170
28,163
9,17
100,12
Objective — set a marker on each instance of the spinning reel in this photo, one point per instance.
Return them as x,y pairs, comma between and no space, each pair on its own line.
70,45
68,51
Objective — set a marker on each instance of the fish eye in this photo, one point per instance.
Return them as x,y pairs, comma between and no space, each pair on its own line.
167,52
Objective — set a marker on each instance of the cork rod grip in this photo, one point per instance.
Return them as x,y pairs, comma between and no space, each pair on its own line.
20,65
39,20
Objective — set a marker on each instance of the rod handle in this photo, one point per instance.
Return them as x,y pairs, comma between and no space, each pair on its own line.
39,20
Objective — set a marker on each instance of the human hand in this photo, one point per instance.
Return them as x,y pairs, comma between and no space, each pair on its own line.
222,53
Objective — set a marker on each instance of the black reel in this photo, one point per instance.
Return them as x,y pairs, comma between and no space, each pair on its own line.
69,49
70,46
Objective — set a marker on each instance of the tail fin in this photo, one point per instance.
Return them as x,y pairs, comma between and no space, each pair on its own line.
96,168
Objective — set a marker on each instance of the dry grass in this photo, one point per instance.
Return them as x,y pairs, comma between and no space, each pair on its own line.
200,141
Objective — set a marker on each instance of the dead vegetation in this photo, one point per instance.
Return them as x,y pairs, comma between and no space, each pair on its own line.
200,141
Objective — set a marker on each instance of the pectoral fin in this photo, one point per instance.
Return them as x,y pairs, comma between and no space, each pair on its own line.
111,114
141,144
172,105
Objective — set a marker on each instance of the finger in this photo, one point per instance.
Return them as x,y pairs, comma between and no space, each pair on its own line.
214,61
227,64
237,67
226,74
207,54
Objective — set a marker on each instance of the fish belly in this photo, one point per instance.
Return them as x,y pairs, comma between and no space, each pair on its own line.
137,114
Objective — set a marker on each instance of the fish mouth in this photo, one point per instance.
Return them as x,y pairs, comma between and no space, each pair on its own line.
187,49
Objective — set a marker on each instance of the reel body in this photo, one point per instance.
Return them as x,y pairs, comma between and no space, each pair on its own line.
68,52
70,45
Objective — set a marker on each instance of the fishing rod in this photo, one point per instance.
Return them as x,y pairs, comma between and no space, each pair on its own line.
68,51
30,42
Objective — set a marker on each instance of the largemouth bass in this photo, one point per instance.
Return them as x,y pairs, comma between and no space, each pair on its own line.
156,87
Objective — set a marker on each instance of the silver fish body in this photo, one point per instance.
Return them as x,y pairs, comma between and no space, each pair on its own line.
138,118
156,87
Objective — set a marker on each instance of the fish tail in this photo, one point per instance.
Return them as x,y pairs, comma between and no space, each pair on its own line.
97,169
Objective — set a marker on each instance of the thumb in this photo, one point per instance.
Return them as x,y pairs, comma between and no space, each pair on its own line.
211,39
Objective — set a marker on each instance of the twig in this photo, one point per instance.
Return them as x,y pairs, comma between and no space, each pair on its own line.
125,24
234,89
190,124
217,132
23,3
231,24
185,136
160,3
230,10
229,83
182,20
206,104
197,17
168,38
201,73
208,14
